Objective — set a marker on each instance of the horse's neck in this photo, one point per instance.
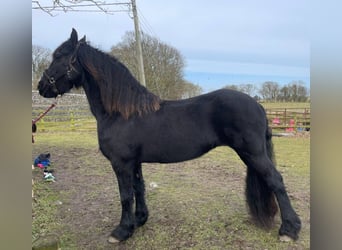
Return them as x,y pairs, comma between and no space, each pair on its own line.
94,98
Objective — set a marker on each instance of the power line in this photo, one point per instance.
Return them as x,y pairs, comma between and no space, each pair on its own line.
144,22
97,7
94,11
77,7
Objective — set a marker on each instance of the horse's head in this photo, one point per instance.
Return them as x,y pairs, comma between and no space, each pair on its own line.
65,71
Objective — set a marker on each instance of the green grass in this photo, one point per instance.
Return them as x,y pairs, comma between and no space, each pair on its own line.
271,105
198,204
43,209
293,153
67,139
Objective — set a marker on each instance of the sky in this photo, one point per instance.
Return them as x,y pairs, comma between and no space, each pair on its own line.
223,42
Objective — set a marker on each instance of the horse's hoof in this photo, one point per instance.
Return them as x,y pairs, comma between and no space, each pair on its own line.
284,238
112,240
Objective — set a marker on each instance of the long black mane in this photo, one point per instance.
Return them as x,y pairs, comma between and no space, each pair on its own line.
120,90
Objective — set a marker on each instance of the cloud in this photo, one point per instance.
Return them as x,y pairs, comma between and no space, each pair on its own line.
249,32
249,37
233,67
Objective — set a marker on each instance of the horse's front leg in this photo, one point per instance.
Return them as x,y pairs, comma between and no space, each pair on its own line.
124,173
141,211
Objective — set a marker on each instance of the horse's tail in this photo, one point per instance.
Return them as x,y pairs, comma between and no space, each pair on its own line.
260,198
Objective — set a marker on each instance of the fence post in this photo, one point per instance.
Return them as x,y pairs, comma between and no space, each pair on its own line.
305,121
285,118
72,121
42,125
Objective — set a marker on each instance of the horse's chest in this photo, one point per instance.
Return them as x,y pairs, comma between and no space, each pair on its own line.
115,143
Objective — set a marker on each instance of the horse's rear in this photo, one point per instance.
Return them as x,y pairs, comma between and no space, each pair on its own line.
241,123
237,118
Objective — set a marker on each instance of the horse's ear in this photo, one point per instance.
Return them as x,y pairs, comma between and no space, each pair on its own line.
83,40
73,37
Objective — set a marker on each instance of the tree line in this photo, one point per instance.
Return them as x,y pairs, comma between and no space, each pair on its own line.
294,91
164,72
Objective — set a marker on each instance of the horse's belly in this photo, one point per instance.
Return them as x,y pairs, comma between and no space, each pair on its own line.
176,150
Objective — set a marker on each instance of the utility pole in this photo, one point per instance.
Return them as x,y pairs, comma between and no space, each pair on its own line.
138,44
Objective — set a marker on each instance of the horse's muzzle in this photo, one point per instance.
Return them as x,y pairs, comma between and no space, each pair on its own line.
47,90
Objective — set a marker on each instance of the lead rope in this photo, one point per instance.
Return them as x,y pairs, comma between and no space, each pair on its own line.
54,104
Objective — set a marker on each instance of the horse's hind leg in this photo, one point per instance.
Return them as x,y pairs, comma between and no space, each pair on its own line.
124,173
141,211
264,172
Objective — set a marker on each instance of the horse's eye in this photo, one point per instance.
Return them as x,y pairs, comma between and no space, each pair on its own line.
57,55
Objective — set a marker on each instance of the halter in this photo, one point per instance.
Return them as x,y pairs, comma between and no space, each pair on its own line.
70,69
51,79
73,59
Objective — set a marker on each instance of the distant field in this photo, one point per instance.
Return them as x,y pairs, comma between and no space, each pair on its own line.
269,105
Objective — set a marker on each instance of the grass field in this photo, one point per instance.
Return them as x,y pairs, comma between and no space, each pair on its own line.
197,204
271,105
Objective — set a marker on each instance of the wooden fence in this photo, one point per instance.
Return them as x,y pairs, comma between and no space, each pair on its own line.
289,119
65,118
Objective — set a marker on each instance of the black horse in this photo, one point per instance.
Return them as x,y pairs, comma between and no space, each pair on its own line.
135,126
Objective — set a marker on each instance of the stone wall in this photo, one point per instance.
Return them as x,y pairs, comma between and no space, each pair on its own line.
76,100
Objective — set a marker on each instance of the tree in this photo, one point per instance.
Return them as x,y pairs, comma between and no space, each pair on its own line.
302,93
248,88
298,91
233,87
41,58
294,91
269,91
284,94
191,90
163,66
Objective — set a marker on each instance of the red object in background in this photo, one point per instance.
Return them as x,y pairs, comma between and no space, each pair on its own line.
291,124
276,121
